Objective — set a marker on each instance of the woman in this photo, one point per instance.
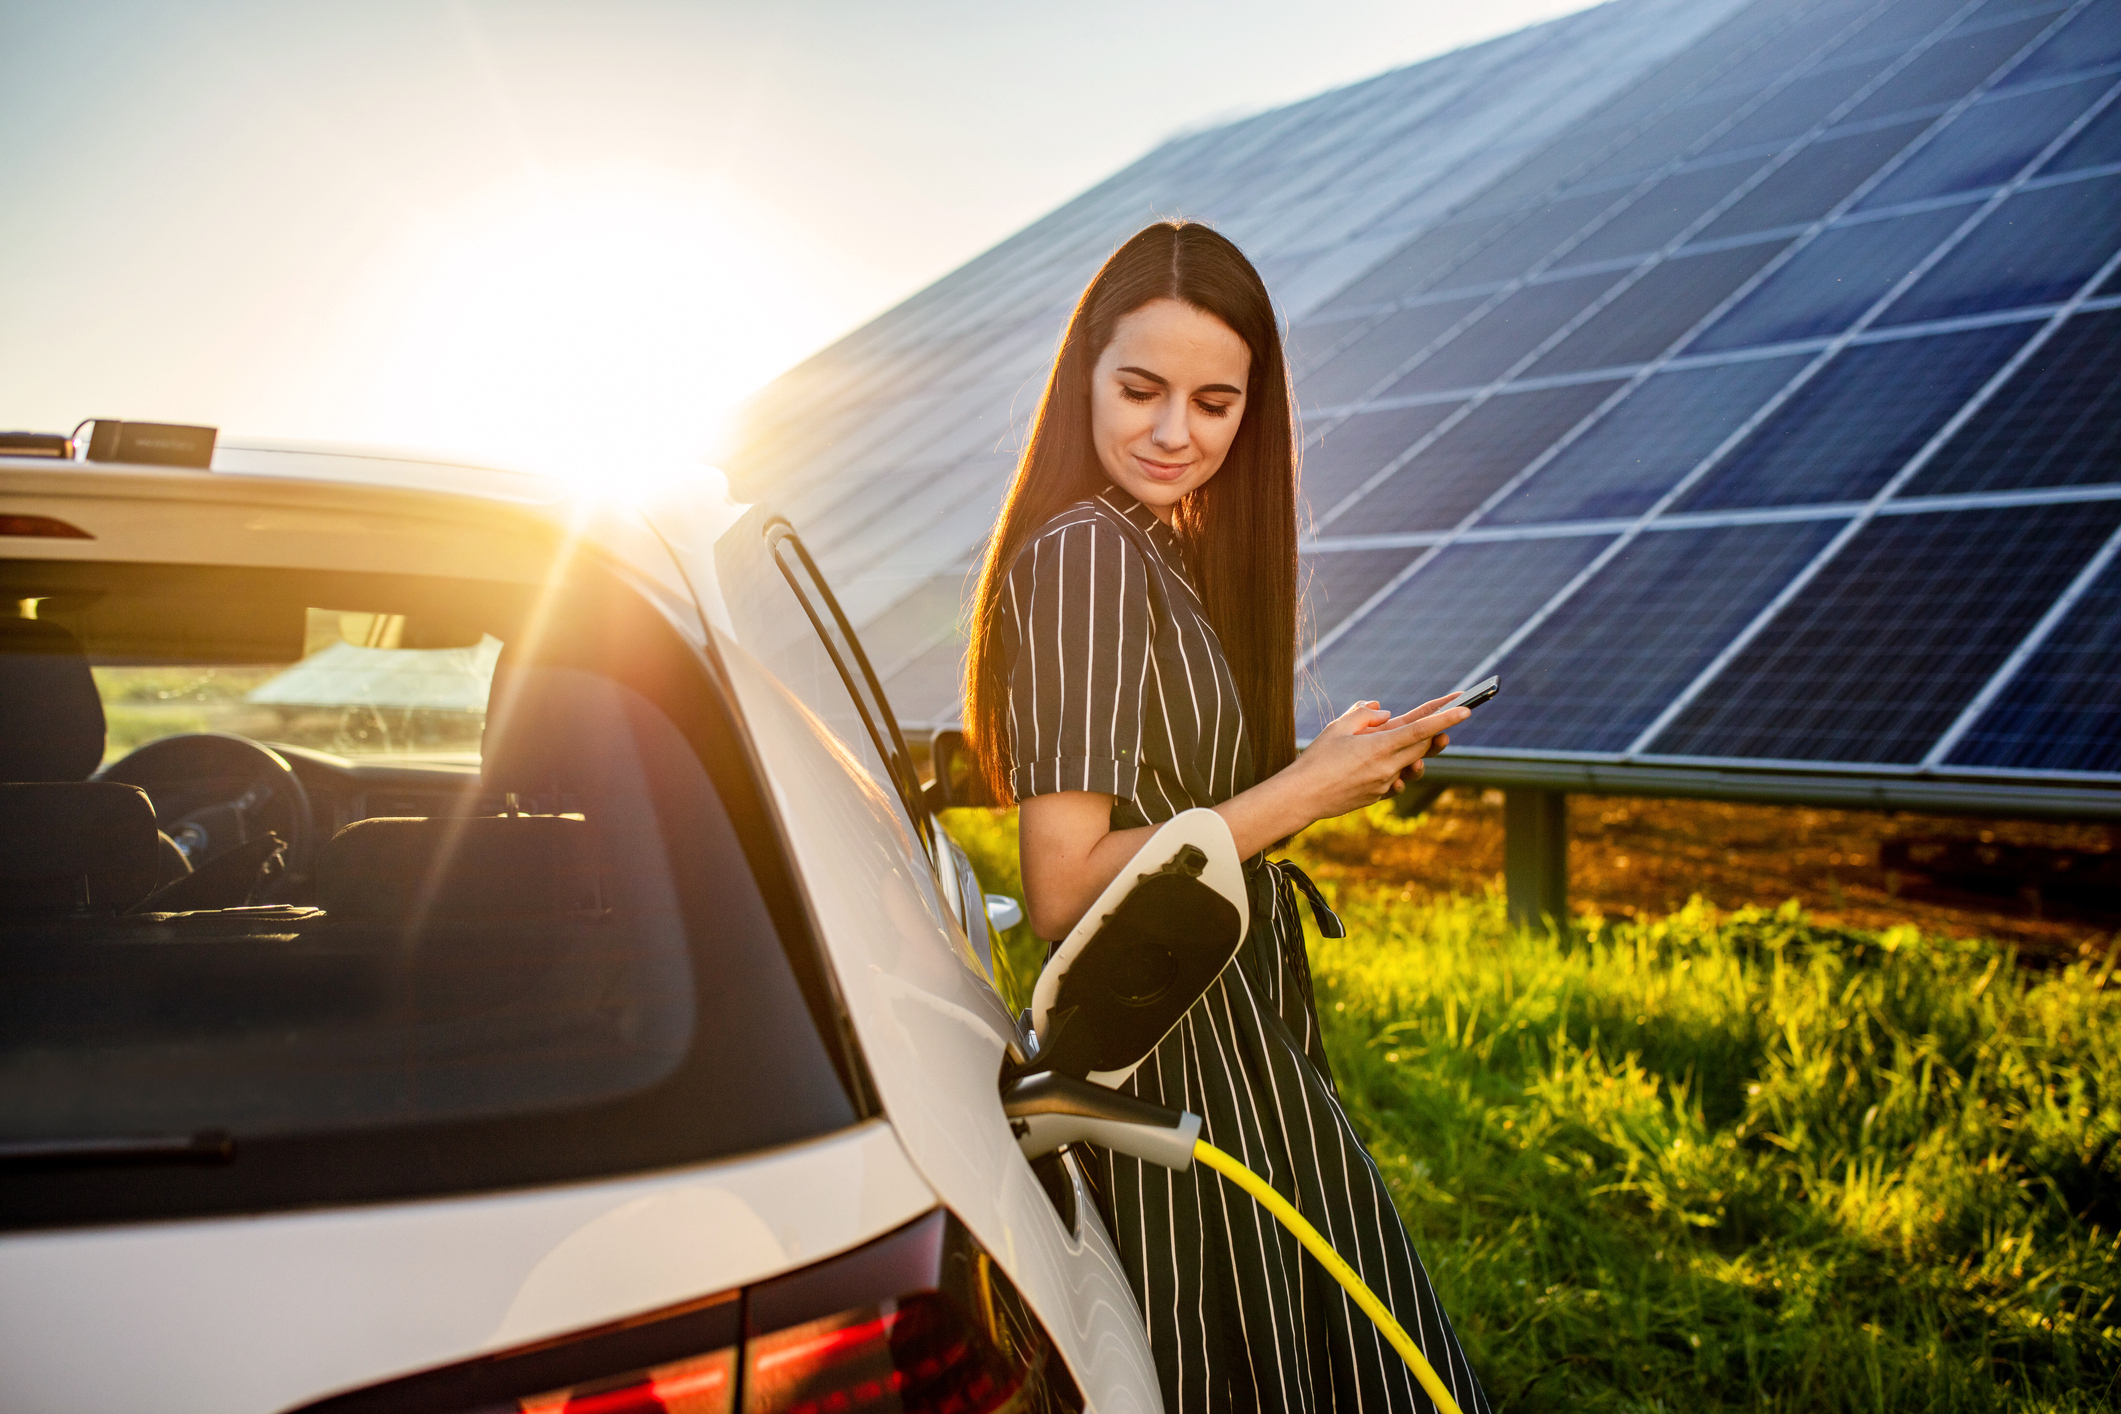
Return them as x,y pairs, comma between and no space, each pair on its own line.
1133,655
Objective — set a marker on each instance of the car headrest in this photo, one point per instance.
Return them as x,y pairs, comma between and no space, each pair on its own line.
488,866
51,721
77,847
550,733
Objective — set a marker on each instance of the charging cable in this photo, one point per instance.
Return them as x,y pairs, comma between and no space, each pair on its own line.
1314,1243
1047,1110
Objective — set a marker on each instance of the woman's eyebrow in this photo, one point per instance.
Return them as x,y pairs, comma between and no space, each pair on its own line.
1163,382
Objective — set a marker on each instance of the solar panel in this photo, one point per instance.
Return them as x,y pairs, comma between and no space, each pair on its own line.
1476,259
2057,422
1858,421
2098,145
1598,671
1873,659
1670,136
1498,339
2039,246
1309,346
2091,39
1654,436
1335,585
1461,468
1950,68
1812,182
1832,281
1423,639
1662,212
1356,369
1566,160
1517,249
1797,108
1350,452
2061,711
1645,319
1988,143
1410,269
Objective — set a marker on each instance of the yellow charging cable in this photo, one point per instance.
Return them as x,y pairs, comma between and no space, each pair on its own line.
1318,1247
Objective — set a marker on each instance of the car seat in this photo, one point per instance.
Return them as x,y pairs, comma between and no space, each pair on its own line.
67,844
541,857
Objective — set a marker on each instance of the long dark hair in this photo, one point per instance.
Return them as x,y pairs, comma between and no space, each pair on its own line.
1238,529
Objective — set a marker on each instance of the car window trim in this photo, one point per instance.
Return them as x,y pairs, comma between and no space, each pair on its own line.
898,761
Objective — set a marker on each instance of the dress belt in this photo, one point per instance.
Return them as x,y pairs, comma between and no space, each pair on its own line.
1259,867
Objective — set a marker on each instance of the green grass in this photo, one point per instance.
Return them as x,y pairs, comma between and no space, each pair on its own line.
1732,1160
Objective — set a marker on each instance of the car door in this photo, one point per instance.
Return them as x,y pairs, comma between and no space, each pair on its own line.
922,1004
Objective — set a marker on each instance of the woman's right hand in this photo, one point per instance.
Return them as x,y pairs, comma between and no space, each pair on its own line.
1366,754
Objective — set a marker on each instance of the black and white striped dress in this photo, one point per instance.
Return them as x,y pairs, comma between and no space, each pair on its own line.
1118,685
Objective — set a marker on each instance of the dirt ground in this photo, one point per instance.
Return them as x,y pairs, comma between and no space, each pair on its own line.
1629,854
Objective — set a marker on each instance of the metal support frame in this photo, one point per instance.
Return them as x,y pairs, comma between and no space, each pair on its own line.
2028,795
1535,853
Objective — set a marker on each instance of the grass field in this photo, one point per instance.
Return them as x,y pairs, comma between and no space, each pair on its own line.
1726,1159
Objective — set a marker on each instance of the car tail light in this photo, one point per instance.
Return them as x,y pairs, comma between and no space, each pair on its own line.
703,1385
919,1320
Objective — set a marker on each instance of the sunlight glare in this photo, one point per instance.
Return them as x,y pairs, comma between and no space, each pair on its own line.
599,326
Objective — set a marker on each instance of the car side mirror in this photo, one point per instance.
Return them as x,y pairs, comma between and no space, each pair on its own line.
958,782
1147,950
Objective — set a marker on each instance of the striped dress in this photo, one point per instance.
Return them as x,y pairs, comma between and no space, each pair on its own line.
1118,685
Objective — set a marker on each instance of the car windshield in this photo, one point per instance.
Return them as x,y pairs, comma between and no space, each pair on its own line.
358,690
317,887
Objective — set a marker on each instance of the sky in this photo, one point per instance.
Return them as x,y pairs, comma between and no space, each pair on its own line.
561,235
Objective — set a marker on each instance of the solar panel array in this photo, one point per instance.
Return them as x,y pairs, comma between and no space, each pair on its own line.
1765,407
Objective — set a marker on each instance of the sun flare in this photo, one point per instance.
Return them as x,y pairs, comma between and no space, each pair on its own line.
599,325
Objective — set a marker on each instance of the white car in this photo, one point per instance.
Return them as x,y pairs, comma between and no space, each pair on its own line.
468,948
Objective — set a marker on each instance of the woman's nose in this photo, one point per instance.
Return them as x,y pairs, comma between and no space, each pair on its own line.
1170,432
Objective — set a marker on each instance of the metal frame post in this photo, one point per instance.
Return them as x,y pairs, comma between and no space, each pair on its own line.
1535,853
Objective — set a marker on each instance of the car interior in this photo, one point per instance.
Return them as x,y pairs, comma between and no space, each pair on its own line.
243,927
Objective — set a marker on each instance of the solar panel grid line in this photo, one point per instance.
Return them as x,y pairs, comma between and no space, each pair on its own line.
1913,465
1626,134
1800,380
1813,766
1341,629
2023,653
1629,190
2001,500
1696,520
1644,266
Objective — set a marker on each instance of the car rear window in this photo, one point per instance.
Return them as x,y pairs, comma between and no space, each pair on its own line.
329,887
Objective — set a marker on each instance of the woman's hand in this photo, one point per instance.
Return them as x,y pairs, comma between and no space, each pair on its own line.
1366,754
1070,850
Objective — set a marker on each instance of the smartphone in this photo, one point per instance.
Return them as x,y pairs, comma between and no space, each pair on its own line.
1478,693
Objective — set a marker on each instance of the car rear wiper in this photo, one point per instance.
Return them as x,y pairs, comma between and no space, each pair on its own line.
208,1146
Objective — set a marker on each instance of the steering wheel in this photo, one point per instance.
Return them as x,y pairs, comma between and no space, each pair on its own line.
213,790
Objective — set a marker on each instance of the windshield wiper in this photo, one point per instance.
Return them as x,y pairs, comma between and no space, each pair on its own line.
208,1146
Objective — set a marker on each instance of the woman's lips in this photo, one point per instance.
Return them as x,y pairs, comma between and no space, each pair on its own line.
1161,471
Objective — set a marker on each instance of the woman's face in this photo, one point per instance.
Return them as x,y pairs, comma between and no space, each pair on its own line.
1165,400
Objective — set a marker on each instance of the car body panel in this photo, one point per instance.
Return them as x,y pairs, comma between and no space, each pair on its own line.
934,1033
261,1313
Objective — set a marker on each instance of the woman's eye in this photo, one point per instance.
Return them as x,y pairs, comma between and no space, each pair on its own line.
1214,409
1137,395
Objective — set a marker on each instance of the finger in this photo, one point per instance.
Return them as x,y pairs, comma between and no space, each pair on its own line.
1420,730
1431,705
1362,715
